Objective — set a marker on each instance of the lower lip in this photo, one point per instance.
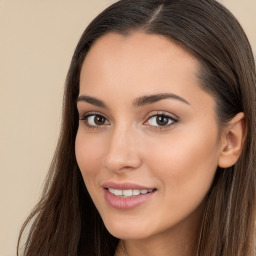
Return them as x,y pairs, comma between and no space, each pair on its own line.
125,203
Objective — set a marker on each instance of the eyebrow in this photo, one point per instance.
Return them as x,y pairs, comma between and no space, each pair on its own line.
149,99
91,100
138,102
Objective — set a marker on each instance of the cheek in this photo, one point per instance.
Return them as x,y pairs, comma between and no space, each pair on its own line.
185,164
89,154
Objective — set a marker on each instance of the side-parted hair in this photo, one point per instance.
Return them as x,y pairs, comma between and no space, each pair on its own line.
66,222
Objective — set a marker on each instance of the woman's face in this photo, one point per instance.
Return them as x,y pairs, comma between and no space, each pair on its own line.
148,142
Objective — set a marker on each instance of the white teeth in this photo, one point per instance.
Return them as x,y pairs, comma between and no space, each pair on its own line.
116,192
135,192
128,192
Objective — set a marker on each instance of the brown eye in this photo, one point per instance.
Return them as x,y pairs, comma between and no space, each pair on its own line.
94,120
160,120
99,120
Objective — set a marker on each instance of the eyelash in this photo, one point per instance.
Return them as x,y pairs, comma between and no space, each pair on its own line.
171,120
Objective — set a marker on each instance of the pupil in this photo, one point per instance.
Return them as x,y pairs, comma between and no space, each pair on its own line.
99,120
162,120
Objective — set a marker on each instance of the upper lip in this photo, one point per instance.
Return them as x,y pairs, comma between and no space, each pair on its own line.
125,185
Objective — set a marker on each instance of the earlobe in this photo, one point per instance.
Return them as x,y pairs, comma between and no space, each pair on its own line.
233,138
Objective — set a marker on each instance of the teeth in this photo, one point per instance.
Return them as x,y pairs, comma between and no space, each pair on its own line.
128,192
143,191
116,192
135,192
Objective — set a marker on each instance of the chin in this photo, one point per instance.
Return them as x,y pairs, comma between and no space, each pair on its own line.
127,231
127,234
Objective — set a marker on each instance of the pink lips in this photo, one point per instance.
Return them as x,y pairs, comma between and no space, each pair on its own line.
126,203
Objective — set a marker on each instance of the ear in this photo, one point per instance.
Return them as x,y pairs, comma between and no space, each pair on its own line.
232,141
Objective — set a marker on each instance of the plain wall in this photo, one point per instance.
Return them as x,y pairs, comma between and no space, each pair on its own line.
37,39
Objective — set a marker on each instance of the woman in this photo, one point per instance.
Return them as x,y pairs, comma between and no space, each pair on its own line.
157,150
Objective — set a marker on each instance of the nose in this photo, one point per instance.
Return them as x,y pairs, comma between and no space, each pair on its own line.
123,150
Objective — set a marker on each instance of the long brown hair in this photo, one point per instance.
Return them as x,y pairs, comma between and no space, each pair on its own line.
65,221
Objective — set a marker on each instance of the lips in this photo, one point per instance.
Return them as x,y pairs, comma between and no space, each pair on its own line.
126,195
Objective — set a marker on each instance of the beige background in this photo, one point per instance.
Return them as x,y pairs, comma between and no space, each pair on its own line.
37,39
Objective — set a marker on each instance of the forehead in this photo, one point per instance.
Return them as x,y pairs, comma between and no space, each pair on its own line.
137,42
119,68
149,49
137,58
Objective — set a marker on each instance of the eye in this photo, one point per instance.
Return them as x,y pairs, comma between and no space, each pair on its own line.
160,120
94,120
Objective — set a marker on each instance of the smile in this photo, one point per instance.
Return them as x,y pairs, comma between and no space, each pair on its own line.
129,192
125,196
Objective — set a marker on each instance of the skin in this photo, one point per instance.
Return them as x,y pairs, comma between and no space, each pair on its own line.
178,159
